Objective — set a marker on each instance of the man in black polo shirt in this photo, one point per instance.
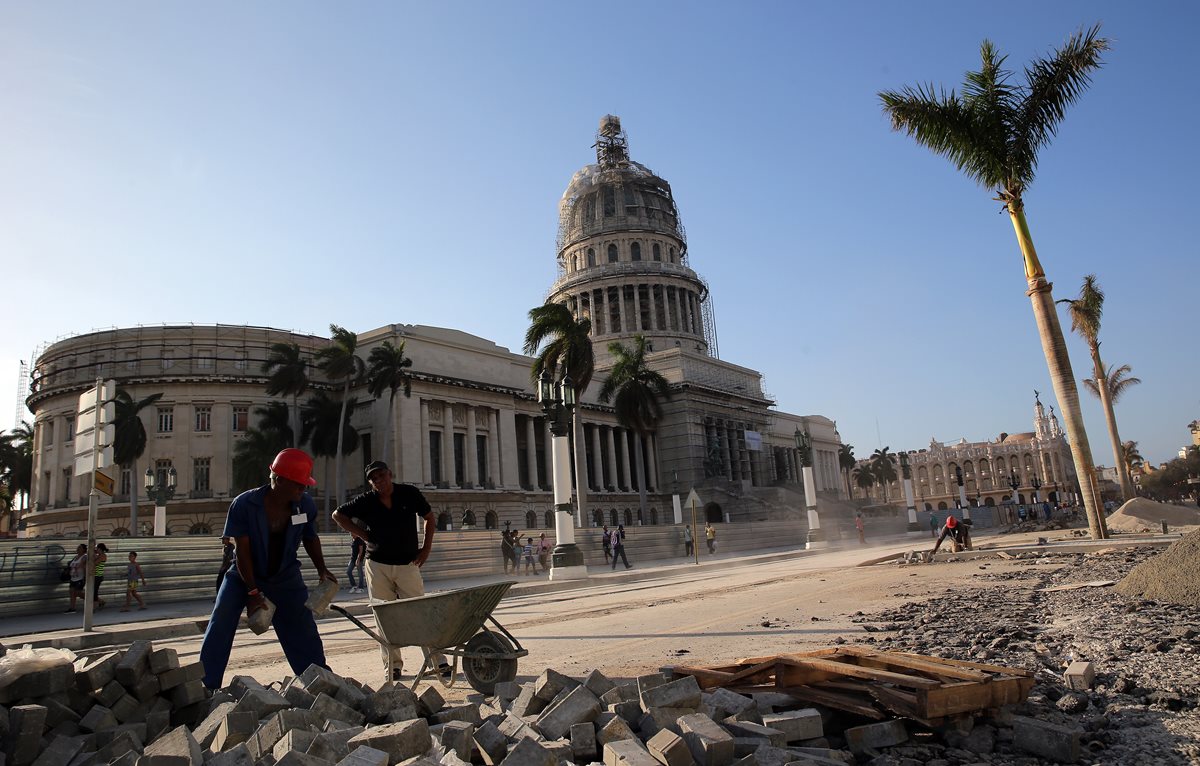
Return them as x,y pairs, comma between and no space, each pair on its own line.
386,518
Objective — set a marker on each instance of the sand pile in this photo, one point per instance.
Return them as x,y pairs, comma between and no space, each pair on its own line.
1140,513
1172,576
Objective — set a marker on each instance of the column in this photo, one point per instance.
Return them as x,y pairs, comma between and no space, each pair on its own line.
531,453
426,473
623,435
726,456
470,454
449,469
548,448
678,301
623,308
612,456
493,443
506,451
636,325
597,459
652,481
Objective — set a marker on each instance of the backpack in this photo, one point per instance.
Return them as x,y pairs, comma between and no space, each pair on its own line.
64,574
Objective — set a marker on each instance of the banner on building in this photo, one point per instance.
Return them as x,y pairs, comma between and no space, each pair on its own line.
754,441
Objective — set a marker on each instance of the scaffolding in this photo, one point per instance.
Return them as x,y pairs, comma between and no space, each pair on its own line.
22,414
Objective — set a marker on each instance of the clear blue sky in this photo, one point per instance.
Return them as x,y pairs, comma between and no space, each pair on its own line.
295,164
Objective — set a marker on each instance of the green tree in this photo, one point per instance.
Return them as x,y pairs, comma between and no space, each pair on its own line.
16,468
129,443
563,345
1131,458
1085,312
883,469
993,134
252,453
339,363
864,479
847,461
637,393
319,417
288,376
388,370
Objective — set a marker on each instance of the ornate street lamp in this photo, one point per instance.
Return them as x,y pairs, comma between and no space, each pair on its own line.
160,493
906,474
816,538
558,400
1036,483
962,493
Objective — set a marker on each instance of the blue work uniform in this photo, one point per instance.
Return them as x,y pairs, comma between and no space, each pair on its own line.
293,622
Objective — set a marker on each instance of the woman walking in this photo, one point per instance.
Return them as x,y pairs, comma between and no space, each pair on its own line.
78,569
618,547
101,560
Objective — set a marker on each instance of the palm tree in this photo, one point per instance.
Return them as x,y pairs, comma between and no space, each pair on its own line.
565,349
18,467
846,461
339,362
864,479
320,416
274,418
388,371
1131,458
1117,382
256,449
1085,312
637,393
883,468
993,134
129,443
288,371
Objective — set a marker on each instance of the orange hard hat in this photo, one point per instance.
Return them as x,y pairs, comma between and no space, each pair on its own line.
951,522
294,465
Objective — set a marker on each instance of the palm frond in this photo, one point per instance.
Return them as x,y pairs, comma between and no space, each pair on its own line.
1054,83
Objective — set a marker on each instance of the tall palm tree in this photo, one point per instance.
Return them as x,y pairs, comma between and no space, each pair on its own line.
19,467
129,443
637,393
1086,311
288,376
864,479
563,346
256,449
1131,458
846,461
388,370
339,363
275,419
883,468
993,133
320,416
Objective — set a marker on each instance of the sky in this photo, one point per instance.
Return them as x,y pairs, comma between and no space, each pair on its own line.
296,164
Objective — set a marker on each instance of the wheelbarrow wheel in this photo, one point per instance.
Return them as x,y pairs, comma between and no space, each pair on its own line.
484,672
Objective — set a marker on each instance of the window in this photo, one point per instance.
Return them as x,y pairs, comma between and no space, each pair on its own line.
481,459
66,485
168,359
435,457
657,251
530,520
166,420
126,481
591,257
161,469
204,418
589,209
460,461
635,251
70,429
612,253
241,418
671,253
200,474
610,201
48,433
204,359
549,519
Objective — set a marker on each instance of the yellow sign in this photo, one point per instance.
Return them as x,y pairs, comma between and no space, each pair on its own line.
103,483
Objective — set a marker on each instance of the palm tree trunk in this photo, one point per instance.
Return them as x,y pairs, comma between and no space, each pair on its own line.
641,474
581,481
341,427
1061,376
1111,416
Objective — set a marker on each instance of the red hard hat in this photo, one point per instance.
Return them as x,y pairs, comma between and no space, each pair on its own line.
951,522
294,465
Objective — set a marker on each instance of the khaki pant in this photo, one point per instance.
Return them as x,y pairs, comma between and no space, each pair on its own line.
388,582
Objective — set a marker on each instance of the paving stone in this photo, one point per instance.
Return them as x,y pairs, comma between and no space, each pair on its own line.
727,703
162,660
750,760
262,702
614,731
135,663
332,745
295,758
177,743
207,730
1080,676
395,700
669,749
1047,740
528,752
157,721
598,683
683,692
136,729
298,696
458,737
490,742
330,709
169,679
628,752
526,703
506,691
583,742
430,701
239,685
365,756
145,689
873,735
468,713
98,718
774,737
24,741
630,711
796,724
238,755
129,710
550,683
662,718
123,743
38,683
515,728
60,751
402,740
710,744
108,694
57,711
350,695
299,740
750,714
578,706
316,679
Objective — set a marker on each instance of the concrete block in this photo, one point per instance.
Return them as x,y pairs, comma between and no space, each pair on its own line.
774,737
350,695
491,743
157,721
578,706
262,702
468,713
743,746
60,751
528,752
662,718
550,683
316,679
38,683
398,700
99,718
727,703
296,758
145,689
129,710
57,710
710,744
750,715
92,673
506,691
630,711
1080,676
769,702
178,744
365,756
684,692
135,663
458,737
162,660
123,743
24,742
749,760
207,729
796,724
515,728
598,683
297,739
1046,740
628,752
330,709
239,685
430,701
188,693
669,749
615,731
169,679
403,740
238,755
874,735
526,703
332,745
108,694
583,742
298,696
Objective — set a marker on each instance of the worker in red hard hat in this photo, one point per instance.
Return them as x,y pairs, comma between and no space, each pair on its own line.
268,525
959,533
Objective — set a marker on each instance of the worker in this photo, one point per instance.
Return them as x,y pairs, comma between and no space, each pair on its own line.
958,533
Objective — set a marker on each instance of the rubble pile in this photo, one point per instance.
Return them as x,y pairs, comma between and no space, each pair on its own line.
1143,515
1136,703
1173,576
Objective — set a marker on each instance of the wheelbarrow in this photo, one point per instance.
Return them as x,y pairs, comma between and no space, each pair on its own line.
451,623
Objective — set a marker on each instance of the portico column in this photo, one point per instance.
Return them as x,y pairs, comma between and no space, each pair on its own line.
493,443
448,462
612,456
426,469
637,308
470,453
652,461
624,309
597,459
625,462
531,453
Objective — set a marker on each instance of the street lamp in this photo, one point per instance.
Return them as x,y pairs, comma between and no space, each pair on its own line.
906,474
558,400
816,538
160,493
962,493
1036,483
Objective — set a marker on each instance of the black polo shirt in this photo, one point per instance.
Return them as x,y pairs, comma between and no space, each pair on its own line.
391,532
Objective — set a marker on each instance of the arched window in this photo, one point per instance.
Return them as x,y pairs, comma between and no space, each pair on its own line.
197,529
635,251
612,253
549,519
443,522
468,519
628,518
641,519
990,502
671,252
597,517
613,518
490,520
928,507
941,506
589,209
123,532
654,516
591,256
656,251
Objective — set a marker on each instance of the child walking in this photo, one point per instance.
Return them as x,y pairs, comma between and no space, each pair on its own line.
530,561
133,573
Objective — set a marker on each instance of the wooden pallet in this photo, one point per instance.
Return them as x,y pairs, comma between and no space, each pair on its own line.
872,683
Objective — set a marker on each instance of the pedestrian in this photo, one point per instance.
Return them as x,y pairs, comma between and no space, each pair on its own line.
957,531
133,573
618,547
933,525
101,559
506,550
227,556
689,544
358,556
1046,509
530,552
544,549
606,541
862,532
385,518
78,571
268,525
710,536
516,550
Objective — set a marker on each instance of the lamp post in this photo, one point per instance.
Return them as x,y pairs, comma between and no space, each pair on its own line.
906,473
816,538
1036,483
160,493
558,400
962,493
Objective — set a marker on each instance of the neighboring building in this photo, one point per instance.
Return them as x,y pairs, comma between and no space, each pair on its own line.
1041,456
1194,427
471,435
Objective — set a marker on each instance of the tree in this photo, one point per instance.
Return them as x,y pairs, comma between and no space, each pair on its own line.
288,371
993,134
883,468
339,363
563,346
1131,458
16,468
1085,312
319,417
129,443
252,453
388,370
847,461
864,479
637,393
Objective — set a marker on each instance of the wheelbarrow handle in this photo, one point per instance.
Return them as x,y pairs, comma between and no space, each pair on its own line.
359,623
